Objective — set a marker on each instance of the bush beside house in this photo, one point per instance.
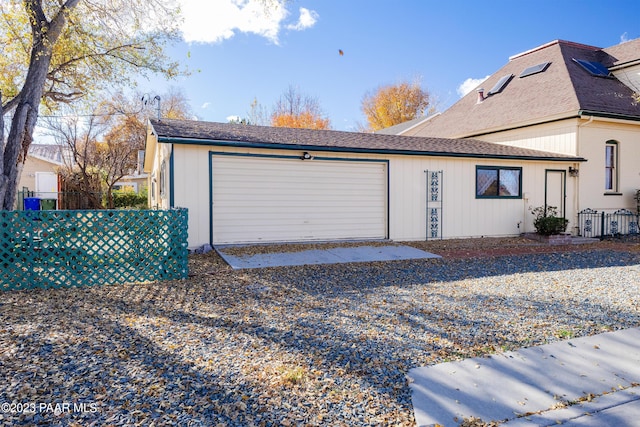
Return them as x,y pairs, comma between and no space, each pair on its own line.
547,222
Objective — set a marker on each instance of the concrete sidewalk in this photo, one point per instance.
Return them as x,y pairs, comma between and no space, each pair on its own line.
337,255
590,381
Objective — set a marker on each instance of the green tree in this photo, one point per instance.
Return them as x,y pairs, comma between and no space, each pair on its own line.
394,104
56,52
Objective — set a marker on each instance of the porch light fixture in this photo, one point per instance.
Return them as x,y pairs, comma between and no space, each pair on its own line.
573,171
306,156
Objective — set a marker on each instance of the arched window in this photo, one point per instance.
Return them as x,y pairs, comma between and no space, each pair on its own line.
611,166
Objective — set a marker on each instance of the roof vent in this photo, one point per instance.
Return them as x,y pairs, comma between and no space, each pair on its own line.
480,96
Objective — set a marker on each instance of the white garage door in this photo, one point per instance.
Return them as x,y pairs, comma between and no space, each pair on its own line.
267,199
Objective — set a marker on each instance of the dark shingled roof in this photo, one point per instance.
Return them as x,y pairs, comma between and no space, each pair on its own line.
227,134
564,89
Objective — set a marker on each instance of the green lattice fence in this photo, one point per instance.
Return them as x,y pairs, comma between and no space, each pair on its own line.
54,249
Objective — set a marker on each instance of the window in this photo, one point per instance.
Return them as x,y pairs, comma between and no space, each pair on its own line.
163,178
502,83
153,187
535,69
610,166
498,182
594,68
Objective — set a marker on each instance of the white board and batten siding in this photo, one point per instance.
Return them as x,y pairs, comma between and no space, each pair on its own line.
260,195
279,199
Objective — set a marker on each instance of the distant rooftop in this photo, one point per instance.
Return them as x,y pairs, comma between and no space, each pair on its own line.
50,152
399,129
555,80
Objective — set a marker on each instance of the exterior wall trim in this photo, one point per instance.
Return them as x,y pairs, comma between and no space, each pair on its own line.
171,177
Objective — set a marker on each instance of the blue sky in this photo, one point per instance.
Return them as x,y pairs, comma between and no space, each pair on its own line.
237,53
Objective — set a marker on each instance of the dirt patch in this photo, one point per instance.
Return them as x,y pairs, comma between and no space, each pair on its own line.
451,248
499,246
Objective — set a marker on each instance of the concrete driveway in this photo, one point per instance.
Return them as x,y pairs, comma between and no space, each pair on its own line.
591,381
329,255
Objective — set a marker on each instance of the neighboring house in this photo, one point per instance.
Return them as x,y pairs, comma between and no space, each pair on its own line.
245,183
40,172
567,98
135,183
137,180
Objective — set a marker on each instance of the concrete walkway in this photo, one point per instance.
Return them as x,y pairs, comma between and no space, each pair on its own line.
591,381
337,255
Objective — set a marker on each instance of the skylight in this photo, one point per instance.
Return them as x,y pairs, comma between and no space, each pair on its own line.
500,85
535,69
594,68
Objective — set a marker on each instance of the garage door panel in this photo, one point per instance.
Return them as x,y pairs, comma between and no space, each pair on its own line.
346,202
298,215
271,199
309,186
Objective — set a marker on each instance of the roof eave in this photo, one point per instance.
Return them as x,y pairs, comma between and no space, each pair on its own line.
565,116
521,125
150,148
46,159
605,115
623,65
307,147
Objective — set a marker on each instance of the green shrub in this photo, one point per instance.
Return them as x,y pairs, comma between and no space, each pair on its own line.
547,222
129,199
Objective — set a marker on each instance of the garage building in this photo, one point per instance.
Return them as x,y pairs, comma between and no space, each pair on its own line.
253,184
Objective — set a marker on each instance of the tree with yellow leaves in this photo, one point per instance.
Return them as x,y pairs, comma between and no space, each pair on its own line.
296,110
56,52
394,104
104,145
304,120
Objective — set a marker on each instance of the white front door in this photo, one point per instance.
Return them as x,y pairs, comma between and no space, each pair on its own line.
555,191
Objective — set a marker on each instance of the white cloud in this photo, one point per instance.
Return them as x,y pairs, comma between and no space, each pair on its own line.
213,21
205,105
624,37
234,118
469,85
308,19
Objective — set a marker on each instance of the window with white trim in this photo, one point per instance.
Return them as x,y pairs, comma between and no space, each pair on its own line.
611,166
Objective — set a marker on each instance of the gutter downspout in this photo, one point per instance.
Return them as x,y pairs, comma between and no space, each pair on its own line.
576,184
585,124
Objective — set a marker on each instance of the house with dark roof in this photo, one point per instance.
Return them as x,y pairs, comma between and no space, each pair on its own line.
247,184
561,97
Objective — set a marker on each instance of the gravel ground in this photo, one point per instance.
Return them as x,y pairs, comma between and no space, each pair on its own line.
311,345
